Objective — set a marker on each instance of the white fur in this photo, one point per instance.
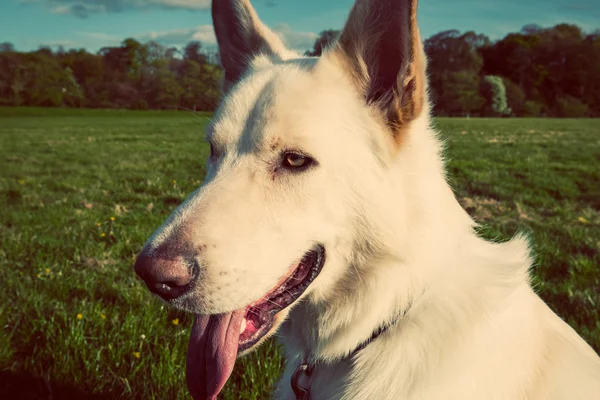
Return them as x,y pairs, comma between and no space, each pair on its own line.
396,241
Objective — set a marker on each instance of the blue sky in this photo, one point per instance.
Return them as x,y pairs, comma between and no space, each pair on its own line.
96,23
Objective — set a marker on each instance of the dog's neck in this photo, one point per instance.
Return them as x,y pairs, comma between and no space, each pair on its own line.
309,330
326,334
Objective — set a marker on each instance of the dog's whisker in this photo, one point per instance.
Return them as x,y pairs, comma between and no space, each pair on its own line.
358,276
250,311
194,113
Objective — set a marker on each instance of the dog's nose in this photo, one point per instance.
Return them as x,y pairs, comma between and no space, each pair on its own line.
167,276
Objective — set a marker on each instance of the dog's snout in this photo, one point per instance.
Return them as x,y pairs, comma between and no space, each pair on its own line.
166,275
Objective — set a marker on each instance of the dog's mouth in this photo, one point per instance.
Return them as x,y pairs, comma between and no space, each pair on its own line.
259,316
216,340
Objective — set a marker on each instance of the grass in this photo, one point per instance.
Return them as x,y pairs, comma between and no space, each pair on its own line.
81,190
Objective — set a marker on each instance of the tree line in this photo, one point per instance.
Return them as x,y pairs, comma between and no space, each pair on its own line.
532,73
132,75
535,72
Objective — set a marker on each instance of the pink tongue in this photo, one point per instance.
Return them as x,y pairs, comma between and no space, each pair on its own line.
212,351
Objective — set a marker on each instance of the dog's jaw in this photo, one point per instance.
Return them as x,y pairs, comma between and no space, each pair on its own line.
216,340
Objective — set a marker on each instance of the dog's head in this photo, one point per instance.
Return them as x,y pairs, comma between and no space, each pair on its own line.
299,146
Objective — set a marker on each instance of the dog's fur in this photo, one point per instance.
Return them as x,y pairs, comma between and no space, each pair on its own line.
397,241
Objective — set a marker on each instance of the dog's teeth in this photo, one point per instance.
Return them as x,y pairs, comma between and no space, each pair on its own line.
243,326
264,317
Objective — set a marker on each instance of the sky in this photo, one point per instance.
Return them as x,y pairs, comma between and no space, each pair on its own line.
93,24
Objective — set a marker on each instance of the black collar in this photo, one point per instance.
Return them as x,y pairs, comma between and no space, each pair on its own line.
307,368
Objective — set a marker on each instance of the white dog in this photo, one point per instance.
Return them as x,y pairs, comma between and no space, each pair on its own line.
325,216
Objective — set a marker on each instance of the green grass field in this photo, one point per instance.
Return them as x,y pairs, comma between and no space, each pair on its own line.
81,191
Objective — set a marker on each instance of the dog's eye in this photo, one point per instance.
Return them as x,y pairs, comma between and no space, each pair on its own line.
296,161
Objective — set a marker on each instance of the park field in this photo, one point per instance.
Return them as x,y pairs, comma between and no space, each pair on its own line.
81,191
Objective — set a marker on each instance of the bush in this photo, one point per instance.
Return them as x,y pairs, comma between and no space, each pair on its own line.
139,104
515,97
494,92
570,107
532,109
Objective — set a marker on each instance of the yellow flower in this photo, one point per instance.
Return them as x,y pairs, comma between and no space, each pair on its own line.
47,270
137,354
21,181
112,218
102,316
98,224
175,321
174,182
79,316
583,220
39,276
102,234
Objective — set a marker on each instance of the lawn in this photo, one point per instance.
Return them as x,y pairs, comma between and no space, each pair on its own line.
81,191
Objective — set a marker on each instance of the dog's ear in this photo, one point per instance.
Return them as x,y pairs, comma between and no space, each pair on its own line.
380,47
241,36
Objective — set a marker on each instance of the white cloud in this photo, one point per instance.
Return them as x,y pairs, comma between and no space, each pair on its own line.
299,41
205,34
80,9
101,36
180,37
96,40
85,8
57,43
185,4
61,10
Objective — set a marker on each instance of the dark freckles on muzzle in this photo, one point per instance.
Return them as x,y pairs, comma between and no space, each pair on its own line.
169,271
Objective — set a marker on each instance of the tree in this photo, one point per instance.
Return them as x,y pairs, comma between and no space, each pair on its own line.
531,29
591,53
200,85
515,97
454,66
88,72
136,56
115,62
45,50
514,57
450,51
73,95
39,80
461,94
159,85
494,93
9,61
549,64
533,72
326,38
192,52
6,47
